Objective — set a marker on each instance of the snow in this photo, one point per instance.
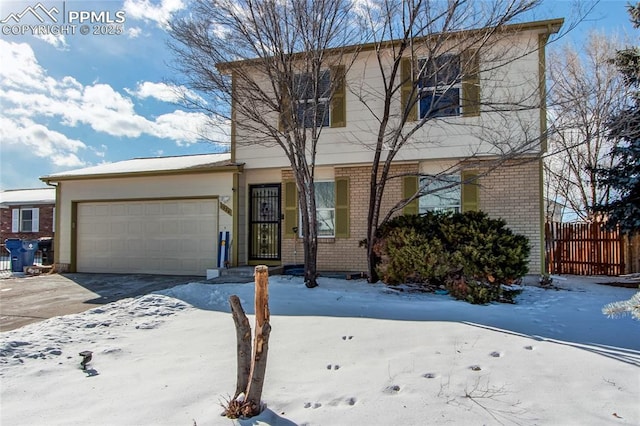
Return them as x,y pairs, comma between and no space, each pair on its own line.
345,353
148,165
28,196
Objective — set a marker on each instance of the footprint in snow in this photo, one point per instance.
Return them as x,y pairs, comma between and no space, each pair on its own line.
347,337
393,389
314,405
334,367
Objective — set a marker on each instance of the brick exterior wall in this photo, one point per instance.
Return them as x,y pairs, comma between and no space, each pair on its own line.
511,192
345,254
45,223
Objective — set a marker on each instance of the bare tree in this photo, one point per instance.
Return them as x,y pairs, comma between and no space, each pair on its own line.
586,89
265,62
439,53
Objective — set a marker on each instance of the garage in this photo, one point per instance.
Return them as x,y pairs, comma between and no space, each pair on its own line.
172,237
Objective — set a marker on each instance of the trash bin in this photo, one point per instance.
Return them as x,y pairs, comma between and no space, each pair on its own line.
29,249
46,247
14,247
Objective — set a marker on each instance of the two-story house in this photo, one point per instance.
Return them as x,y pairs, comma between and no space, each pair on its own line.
165,215
472,141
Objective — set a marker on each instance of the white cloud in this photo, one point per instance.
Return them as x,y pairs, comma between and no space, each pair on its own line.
134,32
164,92
41,141
57,41
27,93
147,11
187,128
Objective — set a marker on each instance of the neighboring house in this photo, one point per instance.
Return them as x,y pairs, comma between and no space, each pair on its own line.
267,191
27,214
148,215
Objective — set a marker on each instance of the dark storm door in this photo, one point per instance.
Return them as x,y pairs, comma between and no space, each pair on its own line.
264,222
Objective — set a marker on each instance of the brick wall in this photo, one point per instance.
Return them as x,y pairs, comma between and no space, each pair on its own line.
45,223
512,192
345,254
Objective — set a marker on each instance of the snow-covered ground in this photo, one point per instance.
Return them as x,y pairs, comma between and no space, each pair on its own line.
346,353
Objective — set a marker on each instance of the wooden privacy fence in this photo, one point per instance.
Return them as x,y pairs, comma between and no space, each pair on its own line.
583,249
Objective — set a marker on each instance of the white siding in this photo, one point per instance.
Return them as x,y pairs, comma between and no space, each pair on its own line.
514,82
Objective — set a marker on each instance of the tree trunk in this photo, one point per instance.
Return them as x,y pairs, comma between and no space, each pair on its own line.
310,264
251,366
307,206
261,341
243,338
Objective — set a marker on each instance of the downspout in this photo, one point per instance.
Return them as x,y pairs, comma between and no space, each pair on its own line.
56,232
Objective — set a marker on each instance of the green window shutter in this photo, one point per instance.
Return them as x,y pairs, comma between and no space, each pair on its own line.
471,83
407,94
409,188
470,192
342,207
338,101
290,208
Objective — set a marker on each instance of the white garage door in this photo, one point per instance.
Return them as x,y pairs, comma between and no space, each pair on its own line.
171,237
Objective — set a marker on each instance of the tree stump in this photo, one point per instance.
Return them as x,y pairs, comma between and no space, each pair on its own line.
251,369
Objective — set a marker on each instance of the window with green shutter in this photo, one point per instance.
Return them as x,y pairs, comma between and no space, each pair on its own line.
448,85
332,209
441,193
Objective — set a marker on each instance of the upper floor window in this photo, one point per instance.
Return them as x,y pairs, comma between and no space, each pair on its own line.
313,109
25,220
439,86
442,194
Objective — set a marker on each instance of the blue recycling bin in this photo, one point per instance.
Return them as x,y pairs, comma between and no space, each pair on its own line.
29,249
14,247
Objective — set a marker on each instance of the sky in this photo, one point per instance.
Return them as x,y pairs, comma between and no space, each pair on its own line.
344,353
70,100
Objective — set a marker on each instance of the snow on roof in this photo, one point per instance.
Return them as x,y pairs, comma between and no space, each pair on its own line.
28,196
155,164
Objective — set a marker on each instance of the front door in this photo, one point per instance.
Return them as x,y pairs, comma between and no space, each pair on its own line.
264,222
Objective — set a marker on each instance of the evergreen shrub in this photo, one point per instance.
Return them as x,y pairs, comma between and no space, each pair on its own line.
472,255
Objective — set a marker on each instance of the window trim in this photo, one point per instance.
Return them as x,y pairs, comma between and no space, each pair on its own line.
325,100
321,209
440,90
457,208
17,220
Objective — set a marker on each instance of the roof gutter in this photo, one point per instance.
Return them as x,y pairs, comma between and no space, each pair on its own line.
195,170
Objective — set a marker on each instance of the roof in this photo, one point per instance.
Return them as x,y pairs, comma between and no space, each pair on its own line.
16,197
548,26
150,166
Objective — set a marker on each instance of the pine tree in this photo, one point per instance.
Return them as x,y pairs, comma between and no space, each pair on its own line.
624,130
625,177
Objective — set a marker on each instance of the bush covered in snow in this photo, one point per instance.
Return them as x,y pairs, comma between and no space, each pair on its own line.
469,253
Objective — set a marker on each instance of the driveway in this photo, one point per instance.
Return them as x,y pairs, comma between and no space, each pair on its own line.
25,300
